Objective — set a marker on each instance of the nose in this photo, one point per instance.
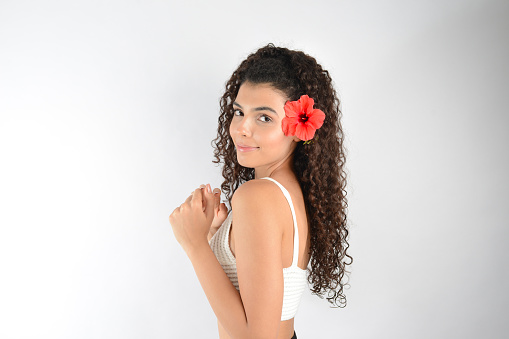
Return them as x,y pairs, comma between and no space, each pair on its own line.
243,127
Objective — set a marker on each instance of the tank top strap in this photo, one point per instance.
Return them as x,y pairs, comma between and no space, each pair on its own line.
296,230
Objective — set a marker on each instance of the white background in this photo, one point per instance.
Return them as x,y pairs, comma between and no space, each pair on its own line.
107,113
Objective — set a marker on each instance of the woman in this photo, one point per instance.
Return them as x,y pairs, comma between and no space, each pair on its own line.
281,143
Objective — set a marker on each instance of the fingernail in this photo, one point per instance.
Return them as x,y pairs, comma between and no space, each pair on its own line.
209,189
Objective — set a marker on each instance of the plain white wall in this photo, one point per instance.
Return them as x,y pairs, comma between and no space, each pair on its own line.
107,113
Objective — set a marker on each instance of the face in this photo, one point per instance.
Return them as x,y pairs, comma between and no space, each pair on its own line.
256,128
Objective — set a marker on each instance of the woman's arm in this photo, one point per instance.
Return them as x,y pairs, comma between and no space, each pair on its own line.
223,297
256,311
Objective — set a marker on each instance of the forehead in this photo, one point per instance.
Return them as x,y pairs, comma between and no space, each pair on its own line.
254,95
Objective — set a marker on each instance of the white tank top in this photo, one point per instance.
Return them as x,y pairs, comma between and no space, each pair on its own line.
295,281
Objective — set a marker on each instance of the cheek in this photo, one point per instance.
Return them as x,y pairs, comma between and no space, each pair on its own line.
274,138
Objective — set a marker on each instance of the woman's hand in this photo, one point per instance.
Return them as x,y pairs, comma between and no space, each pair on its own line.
220,212
191,221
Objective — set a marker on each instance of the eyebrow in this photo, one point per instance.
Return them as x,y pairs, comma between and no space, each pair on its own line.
262,108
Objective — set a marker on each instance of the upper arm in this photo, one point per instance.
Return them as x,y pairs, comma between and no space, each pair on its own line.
258,236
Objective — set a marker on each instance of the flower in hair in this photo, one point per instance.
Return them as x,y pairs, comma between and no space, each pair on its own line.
301,119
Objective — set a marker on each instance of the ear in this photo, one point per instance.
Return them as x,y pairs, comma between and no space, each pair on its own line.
296,139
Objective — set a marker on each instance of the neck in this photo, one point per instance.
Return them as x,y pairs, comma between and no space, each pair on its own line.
284,165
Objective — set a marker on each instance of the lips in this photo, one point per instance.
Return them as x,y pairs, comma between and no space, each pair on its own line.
244,148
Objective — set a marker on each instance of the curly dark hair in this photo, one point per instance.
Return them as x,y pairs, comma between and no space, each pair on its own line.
319,166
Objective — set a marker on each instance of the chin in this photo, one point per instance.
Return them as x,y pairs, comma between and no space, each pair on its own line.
246,161
246,164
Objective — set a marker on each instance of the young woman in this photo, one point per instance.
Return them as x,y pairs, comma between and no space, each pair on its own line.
281,145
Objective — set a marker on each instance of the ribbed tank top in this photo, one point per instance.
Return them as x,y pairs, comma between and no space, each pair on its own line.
294,277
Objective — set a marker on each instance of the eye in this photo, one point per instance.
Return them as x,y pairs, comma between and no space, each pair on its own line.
266,117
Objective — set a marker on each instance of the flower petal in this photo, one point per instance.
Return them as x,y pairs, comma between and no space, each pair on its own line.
306,103
305,132
288,125
292,109
316,118
292,128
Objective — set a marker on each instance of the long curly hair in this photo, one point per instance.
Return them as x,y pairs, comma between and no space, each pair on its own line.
319,166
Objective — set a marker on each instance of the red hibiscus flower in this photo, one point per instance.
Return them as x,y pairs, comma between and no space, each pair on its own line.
301,118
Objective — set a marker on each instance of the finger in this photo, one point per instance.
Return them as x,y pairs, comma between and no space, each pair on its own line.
203,202
197,198
209,198
223,211
189,198
201,186
217,198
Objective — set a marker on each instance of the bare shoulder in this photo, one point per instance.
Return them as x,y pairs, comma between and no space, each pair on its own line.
253,190
260,200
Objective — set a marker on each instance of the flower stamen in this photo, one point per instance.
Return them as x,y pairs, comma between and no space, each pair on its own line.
303,118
